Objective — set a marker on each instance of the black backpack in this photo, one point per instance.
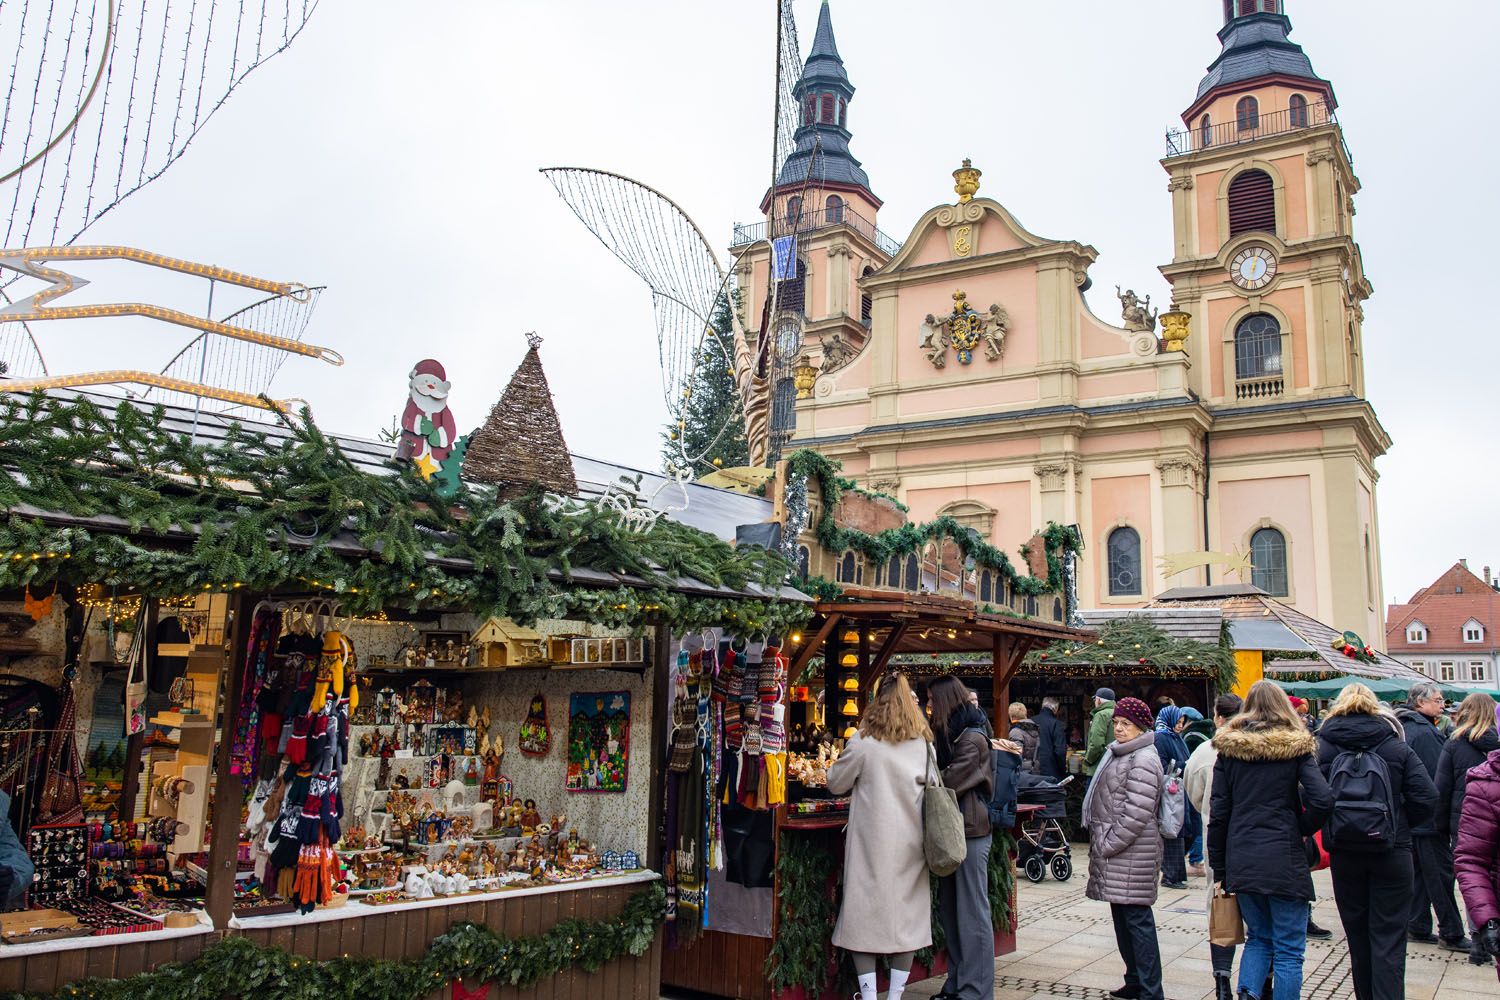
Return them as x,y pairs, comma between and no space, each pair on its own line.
1364,810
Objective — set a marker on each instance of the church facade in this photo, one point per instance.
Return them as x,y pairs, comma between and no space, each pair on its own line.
1224,439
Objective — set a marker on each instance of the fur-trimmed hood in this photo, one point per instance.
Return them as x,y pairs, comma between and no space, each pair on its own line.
1264,743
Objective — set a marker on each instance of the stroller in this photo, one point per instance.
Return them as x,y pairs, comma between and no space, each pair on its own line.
1044,842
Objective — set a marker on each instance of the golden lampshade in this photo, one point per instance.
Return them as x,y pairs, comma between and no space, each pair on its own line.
851,635
850,730
850,707
850,660
851,683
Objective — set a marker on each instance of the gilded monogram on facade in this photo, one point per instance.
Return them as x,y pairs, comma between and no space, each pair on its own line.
965,330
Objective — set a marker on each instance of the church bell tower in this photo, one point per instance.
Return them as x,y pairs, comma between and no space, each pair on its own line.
1265,263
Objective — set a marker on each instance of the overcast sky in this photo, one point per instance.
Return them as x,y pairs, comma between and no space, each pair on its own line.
392,154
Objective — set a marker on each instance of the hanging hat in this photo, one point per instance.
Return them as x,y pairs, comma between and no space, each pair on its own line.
1134,711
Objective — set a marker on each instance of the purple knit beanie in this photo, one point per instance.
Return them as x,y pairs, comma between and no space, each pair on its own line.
1135,711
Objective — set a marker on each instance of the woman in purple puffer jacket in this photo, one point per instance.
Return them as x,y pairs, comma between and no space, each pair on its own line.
1477,859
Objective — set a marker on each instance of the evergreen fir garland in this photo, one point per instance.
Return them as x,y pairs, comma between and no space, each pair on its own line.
150,512
1133,645
910,538
235,967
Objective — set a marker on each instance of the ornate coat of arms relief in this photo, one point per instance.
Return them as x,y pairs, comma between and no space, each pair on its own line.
965,330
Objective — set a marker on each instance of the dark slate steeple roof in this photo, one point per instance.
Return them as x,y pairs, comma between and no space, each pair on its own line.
823,73
1256,46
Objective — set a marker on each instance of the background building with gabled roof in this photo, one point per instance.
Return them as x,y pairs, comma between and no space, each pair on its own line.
1448,629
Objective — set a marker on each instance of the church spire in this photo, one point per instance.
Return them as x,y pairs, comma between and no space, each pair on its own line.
824,94
1257,49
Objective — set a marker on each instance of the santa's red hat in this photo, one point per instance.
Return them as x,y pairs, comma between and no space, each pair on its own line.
429,367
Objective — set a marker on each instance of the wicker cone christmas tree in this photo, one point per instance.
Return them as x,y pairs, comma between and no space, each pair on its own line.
520,445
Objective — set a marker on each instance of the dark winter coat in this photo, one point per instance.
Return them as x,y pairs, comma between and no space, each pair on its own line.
967,769
1198,732
1172,749
1120,813
1412,789
1267,795
1477,857
1423,736
1029,737
1052,755
1459,755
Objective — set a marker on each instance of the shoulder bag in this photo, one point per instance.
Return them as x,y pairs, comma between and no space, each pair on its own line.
943,841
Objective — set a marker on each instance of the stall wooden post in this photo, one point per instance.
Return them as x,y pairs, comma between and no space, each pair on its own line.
1000,679
661,689
223,847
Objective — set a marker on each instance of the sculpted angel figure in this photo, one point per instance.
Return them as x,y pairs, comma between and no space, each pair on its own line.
996,326
1136,311
935,340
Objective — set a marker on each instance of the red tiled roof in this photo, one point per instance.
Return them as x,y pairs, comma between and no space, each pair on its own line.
1444,608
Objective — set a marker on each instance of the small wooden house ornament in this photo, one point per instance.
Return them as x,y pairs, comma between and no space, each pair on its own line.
500,642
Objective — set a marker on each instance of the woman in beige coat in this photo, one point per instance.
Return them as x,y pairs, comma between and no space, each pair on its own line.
887,906
1125,844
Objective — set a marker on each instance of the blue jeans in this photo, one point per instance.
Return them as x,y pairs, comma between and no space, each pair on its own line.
1192,833
1275,937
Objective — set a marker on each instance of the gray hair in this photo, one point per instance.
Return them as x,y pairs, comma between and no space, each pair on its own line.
1421,691
1051,702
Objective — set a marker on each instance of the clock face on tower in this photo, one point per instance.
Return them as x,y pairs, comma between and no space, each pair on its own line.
788,338
1253,268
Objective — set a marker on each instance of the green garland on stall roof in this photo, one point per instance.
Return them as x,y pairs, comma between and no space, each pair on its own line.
801,954
1133,642
265,512
909,538
236,967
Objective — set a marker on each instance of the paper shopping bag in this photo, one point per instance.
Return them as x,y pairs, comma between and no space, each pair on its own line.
1224,925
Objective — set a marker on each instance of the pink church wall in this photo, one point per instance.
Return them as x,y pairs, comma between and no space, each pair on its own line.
1106,444
1112,501
1206,187
1293,170
1266,443
968,452
1096,341
1014,288
1129,383
1010,501
1287,502
943,400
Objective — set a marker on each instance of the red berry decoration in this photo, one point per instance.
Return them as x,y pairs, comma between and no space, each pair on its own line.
1142,660
1349,652
1044,656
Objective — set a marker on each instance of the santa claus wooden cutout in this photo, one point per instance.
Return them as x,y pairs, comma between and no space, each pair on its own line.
427,428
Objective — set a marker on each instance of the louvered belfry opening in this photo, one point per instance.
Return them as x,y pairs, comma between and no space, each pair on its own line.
1252,204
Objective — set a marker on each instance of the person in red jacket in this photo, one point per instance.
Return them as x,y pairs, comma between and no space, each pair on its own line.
1477,859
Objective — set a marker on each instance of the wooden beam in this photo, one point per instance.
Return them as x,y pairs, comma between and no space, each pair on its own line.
660,730
886,651
1000,680
808,651
229,794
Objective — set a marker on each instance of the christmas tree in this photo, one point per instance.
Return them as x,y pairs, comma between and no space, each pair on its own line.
713,420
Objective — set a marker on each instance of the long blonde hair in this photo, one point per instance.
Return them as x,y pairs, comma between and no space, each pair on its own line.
1476,716
1266,705
893,715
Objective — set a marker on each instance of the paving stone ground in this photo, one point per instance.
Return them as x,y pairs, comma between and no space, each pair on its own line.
1066,948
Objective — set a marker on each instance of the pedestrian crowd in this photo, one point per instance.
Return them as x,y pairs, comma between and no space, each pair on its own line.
1255,799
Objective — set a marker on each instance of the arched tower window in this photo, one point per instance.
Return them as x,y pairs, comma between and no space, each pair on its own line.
1205,132
826,109
1247,114
1244,8
1268,556
834,209
1297,109
1257,347
913,574
1252,203
866,303
794,209
843,112
791,293
809,109
1124,562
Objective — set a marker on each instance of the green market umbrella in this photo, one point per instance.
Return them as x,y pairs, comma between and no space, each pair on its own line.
1386,690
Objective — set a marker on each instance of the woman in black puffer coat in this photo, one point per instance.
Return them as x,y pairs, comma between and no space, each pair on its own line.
1268,794
1474,737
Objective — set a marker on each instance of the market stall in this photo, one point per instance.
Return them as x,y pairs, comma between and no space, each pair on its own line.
755,841
410,727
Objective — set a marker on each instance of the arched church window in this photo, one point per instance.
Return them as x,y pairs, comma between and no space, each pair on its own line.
893,572
1297,107
866,303
1057,609
913,574
1268,557
834,208
1205,132
843,112
1257,347
809,109
826,110
1252,203
793,209
1247,114
1124,562
804,561
846,568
